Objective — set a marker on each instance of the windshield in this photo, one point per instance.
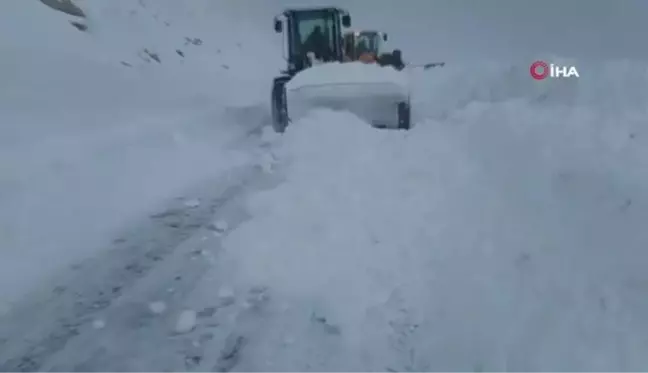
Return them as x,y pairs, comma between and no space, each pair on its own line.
316,33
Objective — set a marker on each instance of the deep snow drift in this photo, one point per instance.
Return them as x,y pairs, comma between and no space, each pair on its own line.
94,132
504,232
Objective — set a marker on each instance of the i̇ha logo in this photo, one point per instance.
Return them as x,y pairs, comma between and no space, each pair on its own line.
540,70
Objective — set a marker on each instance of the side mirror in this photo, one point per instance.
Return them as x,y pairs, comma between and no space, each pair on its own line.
278,26
346,20
385,37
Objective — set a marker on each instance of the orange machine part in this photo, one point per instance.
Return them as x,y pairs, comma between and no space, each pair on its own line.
367,58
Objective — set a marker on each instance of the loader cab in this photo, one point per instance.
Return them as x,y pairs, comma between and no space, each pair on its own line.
357,43
317,30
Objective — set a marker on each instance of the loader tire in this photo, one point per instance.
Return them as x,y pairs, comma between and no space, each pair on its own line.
279,104
404,116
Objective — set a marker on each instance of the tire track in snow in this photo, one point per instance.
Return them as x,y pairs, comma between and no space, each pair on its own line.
97,315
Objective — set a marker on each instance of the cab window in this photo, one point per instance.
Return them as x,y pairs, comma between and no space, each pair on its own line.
307,24
368,43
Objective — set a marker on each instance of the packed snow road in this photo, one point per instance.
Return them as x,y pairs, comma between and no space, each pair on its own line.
91,316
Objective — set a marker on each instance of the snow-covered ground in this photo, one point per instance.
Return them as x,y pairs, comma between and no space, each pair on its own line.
503,232
94,133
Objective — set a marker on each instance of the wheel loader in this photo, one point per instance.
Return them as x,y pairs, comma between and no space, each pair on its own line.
297,27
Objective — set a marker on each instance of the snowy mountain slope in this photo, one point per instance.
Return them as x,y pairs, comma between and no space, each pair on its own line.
95,133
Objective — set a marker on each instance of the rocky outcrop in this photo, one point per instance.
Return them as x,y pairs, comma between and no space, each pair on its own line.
65,6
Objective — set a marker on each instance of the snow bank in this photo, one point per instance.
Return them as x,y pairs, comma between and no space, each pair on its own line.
504,232
97,128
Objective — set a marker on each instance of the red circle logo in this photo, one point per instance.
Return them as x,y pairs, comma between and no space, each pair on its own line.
539,70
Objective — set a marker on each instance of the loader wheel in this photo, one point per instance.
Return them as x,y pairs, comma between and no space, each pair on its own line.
404,110
279,104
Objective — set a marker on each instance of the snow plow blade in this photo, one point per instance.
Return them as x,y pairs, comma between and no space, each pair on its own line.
378,95
376,103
